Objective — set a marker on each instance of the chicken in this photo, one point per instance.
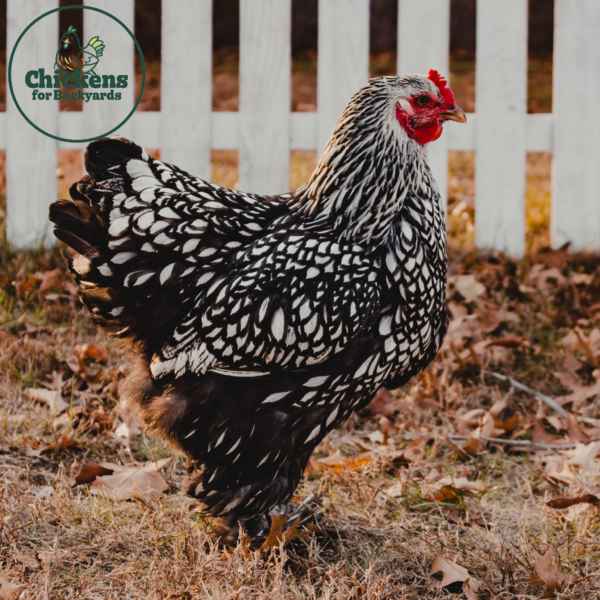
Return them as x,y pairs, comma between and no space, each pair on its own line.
71,55
257,325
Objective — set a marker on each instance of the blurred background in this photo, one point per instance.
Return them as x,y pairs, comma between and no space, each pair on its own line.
383,48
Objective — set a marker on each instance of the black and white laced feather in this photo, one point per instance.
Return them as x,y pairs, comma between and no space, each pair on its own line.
259,324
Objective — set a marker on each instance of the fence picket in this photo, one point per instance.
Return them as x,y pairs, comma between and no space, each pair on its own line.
501,94
186,85
265,95
423,44
343,62
31,156
118,58
576,176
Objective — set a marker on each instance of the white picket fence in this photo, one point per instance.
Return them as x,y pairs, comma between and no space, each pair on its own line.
264,130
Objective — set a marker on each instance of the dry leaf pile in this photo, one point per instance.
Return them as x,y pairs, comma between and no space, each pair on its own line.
480,479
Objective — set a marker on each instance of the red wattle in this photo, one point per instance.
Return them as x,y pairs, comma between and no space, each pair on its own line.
424,134
428,133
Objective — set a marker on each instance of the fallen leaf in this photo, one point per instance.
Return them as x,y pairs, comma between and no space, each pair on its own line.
68,417
129,482
470,447
585,348
575,431
453,573
376,437
558,468
584,457
382,403
468,327
387,429
540,436
580,393
9,590
457,310
467,286
454,489
89,473
24,287
549,574
395,490
581,278
413,452
49,279
565,502
33,452
447,495
337,463
65,442
555,422
508,342
548,281
277,535
570,344
351,441
470,418
487,427
51,398
93,353
463,484
509,424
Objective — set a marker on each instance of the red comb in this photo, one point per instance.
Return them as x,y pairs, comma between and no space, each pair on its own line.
442,84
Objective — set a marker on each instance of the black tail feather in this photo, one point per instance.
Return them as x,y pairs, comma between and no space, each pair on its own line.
80,223
103,154
76,226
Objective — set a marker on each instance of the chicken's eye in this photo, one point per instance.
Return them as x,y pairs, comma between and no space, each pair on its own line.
422,101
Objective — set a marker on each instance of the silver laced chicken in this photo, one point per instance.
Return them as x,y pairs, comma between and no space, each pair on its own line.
256,325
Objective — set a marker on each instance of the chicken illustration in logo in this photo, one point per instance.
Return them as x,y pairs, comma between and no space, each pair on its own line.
71,55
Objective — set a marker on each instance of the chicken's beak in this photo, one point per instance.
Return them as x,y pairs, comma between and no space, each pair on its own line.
454,114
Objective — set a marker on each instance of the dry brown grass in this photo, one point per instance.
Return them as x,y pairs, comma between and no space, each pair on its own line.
60,541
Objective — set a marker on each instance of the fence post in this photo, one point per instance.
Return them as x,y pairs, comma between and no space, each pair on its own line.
501,93
118,59
265,95
186,85
423,44
343,62
576,164
30,155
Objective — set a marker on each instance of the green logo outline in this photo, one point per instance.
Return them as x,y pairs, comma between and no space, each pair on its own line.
83,140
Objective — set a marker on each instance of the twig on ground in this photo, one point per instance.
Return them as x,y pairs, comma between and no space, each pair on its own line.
551,403
522,443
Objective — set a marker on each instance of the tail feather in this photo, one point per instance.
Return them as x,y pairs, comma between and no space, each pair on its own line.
108,153
148,239
121,282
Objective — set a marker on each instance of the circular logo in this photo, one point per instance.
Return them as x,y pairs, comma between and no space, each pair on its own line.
91,72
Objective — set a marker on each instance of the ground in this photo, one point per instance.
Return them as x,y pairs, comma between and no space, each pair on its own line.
415,501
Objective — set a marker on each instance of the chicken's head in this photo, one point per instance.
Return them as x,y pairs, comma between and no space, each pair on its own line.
423,104
69,40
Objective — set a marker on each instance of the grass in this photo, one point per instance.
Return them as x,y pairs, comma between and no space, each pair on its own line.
61,541
72,544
